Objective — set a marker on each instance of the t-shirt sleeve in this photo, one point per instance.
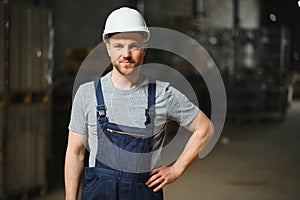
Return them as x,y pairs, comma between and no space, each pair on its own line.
78,123
179,107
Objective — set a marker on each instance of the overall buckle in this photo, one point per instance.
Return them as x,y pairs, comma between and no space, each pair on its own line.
101,111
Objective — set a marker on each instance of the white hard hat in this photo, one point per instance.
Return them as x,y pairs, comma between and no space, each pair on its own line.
125,20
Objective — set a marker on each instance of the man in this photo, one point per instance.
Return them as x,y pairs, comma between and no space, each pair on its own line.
121,118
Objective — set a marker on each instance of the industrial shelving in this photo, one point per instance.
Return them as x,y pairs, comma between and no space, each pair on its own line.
254,66
25,98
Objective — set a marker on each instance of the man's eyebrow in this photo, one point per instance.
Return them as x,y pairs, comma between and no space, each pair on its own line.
116,43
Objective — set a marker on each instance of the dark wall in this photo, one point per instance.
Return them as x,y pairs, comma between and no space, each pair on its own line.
80,23
287,14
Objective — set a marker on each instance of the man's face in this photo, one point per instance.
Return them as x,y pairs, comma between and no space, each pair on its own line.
126,51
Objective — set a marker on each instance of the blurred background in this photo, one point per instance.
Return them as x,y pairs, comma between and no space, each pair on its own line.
254,43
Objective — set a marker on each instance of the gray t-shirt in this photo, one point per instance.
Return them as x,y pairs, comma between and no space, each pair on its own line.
127,107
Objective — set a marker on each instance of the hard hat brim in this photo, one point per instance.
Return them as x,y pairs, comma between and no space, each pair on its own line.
146,33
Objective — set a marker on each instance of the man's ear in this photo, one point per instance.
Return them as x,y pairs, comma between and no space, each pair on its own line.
108,49
145,49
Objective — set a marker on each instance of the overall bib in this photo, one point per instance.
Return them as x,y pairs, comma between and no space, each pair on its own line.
123,158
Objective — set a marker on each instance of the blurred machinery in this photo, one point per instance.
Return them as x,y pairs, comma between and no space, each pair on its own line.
254,65
25,76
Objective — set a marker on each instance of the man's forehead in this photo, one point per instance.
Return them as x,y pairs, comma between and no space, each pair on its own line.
138,37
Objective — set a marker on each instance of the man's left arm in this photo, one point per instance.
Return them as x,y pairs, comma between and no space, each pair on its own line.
202,130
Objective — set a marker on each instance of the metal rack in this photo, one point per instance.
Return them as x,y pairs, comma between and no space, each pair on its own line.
4,31
254,66
25,98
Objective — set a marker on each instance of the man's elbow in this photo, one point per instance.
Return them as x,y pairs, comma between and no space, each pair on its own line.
209,133
81,154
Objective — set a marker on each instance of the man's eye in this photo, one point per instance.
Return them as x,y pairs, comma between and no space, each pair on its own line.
117,46
134,47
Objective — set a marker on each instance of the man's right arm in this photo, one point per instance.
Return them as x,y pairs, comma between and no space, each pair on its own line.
74,163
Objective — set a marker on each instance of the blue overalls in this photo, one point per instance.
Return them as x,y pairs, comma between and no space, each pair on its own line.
123,158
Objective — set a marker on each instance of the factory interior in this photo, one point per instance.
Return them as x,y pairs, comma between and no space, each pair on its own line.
254,44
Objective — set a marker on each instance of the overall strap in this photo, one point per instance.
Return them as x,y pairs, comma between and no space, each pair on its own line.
101,108
151,103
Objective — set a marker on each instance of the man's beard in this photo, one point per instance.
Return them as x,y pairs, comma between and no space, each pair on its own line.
125,72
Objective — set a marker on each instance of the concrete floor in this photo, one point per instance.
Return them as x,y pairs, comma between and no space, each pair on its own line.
252,160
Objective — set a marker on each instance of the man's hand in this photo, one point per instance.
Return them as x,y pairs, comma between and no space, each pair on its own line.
162,176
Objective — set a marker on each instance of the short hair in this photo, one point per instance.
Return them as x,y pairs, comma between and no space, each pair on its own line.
109,35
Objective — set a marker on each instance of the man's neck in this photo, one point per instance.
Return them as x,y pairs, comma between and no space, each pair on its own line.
124,82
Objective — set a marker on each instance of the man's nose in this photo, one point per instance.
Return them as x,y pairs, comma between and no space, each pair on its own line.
126,52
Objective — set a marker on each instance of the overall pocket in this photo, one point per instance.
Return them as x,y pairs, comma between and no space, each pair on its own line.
96,185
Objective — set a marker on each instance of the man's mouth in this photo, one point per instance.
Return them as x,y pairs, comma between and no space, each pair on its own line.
126,62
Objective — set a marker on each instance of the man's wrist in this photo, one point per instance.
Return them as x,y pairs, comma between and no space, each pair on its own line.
178,169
